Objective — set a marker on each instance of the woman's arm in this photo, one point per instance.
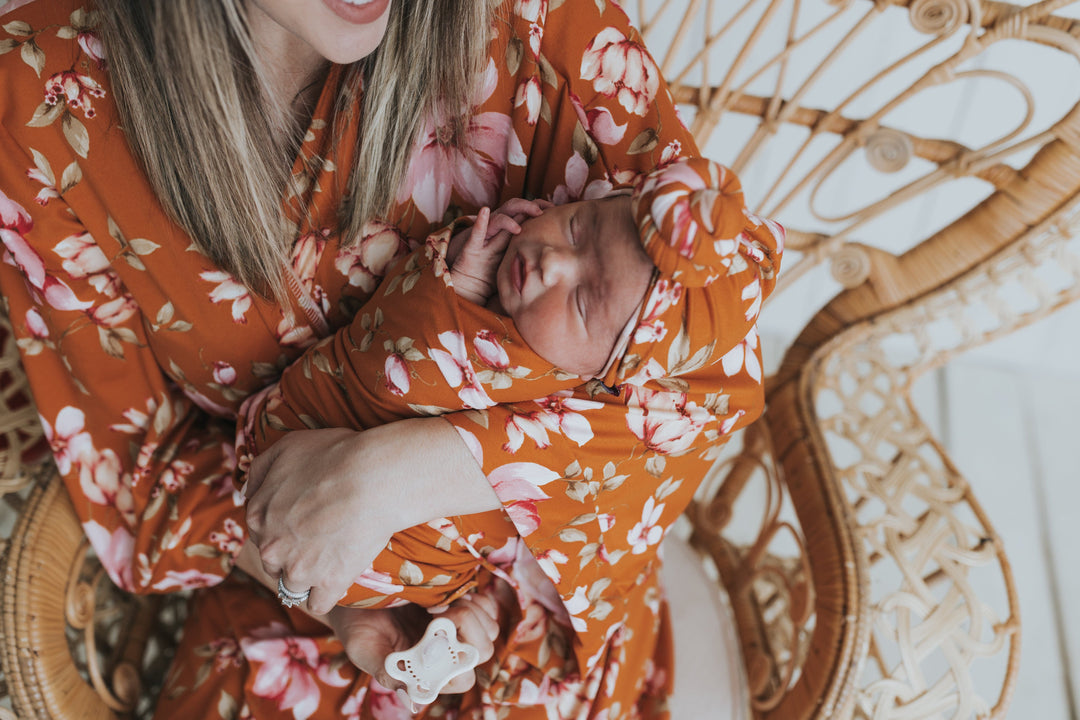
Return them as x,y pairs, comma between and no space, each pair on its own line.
355,490
136,452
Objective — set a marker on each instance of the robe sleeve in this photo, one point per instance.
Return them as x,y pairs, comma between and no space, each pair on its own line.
149,471
413,349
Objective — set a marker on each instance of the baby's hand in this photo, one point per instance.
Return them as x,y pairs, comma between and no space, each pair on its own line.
474,254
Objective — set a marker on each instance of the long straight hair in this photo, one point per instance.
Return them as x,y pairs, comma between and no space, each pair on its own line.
218,147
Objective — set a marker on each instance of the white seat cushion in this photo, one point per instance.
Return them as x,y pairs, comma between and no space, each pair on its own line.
710,680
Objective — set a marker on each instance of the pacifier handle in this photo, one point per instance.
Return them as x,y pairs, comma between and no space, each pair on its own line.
430,664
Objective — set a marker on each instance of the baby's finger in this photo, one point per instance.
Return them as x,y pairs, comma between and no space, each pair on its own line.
502,223
460,684
475,627
520,208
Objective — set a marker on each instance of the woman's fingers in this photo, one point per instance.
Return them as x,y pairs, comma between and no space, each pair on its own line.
325,596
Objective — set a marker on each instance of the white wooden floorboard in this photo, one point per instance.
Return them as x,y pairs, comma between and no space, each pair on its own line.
986,431
1054,423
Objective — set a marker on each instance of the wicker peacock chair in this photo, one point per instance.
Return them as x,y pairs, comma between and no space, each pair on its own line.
871,584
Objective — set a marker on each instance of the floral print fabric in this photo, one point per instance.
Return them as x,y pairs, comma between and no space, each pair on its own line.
140,353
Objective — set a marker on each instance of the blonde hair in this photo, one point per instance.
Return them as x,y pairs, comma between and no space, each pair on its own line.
218,148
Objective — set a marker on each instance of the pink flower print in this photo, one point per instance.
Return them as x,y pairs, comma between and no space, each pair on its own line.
230,538
531,10
91,45
671,152
306,254
528,95
174,477
598,122
287,668
74,87
291,331
536,36
743,355
36,324
396,374
518,486
83,259
115,550
15,222
457,370
472,166
549,560
13,216
386,704
67,440
229,290
224,373
652,328
620,68
729,424
775,229
561,414
521,425
575,606
226,653
378,581
578,186
651,371
665,421
497,371
365,262
490,350
354,704
48,192
186,580
104,482
113,313
646,532
752,293
38,333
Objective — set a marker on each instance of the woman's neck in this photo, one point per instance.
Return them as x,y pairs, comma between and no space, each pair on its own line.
292,67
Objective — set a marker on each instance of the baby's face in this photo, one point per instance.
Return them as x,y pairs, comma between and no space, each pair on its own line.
572,278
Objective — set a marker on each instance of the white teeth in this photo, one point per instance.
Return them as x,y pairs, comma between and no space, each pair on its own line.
358,2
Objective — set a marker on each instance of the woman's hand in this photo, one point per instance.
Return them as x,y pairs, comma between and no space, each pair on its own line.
323,503
369,636
312,516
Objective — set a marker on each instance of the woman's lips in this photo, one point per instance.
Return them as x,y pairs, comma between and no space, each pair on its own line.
358,14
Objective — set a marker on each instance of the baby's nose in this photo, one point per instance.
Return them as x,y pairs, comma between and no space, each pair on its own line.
556,264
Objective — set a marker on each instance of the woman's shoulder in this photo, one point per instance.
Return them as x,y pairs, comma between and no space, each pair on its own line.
562,30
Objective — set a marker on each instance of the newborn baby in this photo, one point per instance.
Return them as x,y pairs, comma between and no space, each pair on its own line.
571,277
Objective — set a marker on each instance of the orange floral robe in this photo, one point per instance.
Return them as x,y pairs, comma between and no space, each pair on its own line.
140,353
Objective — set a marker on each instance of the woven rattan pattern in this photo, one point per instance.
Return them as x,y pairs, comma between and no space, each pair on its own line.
861,593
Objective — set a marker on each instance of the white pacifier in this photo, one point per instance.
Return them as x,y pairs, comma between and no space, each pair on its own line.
430,664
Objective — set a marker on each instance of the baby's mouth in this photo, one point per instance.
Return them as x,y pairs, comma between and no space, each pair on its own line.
517,274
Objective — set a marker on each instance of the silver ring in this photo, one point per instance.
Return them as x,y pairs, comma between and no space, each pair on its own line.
289,598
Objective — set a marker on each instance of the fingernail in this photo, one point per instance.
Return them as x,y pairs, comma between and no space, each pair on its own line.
243,490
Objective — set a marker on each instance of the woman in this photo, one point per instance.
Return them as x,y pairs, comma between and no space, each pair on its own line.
146,153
